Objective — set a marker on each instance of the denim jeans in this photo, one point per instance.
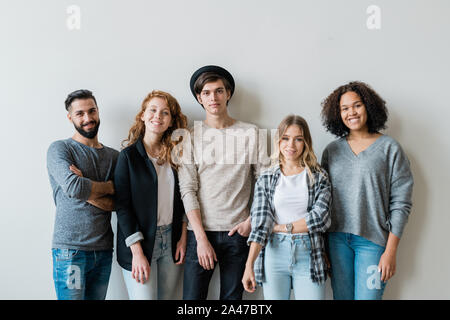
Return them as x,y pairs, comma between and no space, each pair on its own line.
231,255
81,275
165,275
354,267
287,265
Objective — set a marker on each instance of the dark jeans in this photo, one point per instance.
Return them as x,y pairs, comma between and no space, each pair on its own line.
231,254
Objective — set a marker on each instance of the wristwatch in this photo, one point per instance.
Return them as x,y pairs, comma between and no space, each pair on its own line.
289,227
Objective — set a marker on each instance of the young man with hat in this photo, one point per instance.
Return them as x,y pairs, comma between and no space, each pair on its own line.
81,170
216,193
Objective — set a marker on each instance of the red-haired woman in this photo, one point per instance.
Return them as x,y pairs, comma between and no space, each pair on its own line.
151,228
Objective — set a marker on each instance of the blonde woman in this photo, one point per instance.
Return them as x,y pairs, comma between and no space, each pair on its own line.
289,215
151,233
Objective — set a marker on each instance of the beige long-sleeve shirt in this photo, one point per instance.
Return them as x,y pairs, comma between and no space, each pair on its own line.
220,176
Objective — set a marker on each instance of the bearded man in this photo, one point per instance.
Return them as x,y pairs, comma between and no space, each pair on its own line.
81,171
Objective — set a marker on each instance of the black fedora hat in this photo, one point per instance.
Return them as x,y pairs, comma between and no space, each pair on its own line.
214,69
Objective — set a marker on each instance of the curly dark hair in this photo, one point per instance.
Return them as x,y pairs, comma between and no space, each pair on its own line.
377,112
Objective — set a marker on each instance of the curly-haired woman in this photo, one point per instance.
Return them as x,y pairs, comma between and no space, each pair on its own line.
371,189
289,216
151,229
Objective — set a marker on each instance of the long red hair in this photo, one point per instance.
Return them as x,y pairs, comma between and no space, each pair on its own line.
179,120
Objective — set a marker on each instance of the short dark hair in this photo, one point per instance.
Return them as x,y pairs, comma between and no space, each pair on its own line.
79,94
207,77
377,112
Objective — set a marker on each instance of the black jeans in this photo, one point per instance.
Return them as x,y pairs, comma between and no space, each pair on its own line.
231,255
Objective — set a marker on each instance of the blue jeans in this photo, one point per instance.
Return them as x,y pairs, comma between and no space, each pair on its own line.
81,275
287,265
231,254
165,275
354,267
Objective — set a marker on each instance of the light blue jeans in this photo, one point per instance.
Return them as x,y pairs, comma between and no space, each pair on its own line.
287,265
81,275
165,275
354,267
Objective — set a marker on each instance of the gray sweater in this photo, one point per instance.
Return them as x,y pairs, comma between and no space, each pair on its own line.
371,191
78,224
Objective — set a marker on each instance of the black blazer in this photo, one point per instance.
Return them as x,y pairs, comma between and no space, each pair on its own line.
136,198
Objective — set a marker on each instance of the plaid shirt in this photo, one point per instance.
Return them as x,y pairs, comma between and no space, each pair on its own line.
317,220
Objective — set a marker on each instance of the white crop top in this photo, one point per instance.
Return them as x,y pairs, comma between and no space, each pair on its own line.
291,198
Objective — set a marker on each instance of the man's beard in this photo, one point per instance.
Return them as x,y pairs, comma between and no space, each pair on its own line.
88,134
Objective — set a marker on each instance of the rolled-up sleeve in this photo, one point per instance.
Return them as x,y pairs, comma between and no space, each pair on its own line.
318,218
138,236
261,216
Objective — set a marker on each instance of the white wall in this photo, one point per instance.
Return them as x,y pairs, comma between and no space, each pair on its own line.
286,57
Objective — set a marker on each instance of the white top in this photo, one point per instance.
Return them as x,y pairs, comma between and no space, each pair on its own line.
291,198
166,184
